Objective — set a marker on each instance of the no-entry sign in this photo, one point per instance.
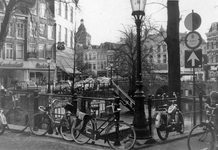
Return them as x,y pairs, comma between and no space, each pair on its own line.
192,21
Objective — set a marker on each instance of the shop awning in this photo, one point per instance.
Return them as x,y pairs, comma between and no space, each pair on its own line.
70,70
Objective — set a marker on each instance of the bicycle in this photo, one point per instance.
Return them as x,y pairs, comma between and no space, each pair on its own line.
45,121
204,136
15,119
118,134
169,119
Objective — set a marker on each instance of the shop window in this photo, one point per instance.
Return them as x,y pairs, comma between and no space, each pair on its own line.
19,52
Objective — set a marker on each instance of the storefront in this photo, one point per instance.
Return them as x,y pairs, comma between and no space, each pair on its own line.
25,71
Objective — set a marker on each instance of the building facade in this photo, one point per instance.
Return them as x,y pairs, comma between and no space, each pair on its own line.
29,42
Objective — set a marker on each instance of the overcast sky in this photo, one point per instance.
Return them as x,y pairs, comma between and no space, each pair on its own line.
104,18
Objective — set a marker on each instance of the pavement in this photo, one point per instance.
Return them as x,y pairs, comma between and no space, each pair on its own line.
28,141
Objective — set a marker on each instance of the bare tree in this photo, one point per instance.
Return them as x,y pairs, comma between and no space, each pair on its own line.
126,54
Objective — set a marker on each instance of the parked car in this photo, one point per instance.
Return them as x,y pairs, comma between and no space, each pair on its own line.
63,87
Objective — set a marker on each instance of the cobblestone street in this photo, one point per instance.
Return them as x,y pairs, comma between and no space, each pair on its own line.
25,141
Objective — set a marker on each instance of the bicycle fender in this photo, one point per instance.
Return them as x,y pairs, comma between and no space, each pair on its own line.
3,119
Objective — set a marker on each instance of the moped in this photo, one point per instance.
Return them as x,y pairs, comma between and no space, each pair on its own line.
169,118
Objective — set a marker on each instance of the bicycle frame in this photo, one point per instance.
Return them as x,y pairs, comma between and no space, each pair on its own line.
96,133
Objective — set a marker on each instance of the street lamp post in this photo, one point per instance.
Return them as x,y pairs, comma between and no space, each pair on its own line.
139,120
49,62
111,65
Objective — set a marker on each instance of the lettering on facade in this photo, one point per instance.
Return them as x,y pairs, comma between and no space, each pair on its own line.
16,64
38,65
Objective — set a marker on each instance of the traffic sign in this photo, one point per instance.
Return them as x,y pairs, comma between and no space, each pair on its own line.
192,21
193,59
193,40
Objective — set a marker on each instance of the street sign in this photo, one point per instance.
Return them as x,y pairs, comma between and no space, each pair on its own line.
192,21
193,59
193,40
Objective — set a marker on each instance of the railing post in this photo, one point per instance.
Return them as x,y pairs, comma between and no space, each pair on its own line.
35,102
74,102
117,105
149,114
200,103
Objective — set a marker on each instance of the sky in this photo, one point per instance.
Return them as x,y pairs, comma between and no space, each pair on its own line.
104,19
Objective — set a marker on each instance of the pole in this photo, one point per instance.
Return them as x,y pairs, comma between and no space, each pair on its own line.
49,90
139,120
194,102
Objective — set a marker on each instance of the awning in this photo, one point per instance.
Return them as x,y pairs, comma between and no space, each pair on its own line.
70,70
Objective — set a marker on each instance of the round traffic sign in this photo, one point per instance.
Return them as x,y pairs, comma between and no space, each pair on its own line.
192,21
193,40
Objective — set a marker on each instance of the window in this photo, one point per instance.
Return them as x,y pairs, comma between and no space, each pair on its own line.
33,29
20,30
86,57
94,56
66,11
41,51
10,30
59,32
59,8
102,65
50,32
71,14
42,30
9,51
90,56
65,36
164,58
164,48
158,58
71,39
94,66
32,47
42,10
49,51
19,52
0,54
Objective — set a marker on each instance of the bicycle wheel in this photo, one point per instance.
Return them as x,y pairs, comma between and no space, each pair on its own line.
65,128
181,127
201,137
17,120
162,130
81,138
40,124
121,135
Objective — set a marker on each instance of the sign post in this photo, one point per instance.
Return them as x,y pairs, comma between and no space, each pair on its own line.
193,41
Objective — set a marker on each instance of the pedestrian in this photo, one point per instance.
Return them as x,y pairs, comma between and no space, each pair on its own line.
212,101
